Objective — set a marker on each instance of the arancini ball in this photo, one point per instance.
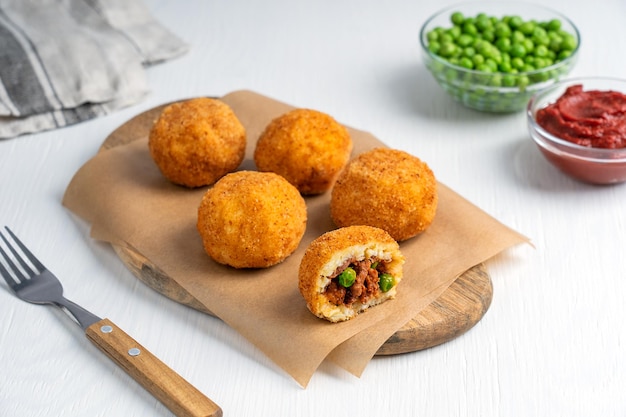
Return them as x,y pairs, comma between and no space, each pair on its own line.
348,270
307,147
251,219
386,188
196,142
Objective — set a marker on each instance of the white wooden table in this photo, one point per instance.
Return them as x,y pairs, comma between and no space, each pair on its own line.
553,340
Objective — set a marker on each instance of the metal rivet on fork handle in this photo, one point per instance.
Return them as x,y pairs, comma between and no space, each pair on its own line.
134,352
106,329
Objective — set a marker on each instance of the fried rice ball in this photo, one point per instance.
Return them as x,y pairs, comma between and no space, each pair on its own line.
196,142
347,270
251,219
307,147
386,188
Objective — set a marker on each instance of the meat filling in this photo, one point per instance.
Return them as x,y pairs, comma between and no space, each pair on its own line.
364,287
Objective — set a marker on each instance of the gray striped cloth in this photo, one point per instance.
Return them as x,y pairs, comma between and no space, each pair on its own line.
67,61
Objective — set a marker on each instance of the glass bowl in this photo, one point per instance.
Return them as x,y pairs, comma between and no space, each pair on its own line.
587,164
495,91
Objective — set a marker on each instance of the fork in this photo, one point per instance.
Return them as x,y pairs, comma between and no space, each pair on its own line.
31,281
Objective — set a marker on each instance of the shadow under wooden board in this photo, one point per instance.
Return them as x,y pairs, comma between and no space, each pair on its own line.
456,311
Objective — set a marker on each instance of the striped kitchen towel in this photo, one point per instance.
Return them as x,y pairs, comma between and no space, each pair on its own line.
67,61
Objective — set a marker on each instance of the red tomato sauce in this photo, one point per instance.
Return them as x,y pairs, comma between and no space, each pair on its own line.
593,118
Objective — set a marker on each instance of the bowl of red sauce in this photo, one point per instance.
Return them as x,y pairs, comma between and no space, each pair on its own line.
579,125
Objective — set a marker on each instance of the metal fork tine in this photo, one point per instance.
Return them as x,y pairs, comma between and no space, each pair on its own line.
12,266
3,271
25,251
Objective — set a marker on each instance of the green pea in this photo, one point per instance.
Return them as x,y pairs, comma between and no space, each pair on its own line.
542,76
540,62
496,80
555,43
554,34
517,50
470,28
541,51
564,55
447,49
478,59
541,40
492,64
445,37
527,27
466,62
469,52
347,277
502,30
515,22
386,282
554,24
484,68
465,40
539,32
450,75
483,23
522,82
517,63
508,80
528,44
457,18
489,35
569,42
503,44
454,32
434,47
517,37
505,66
487,50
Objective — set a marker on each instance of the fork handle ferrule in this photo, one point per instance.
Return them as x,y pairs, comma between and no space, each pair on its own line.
82,316
182,398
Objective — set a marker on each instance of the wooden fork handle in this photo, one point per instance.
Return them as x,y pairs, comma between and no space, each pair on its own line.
182,398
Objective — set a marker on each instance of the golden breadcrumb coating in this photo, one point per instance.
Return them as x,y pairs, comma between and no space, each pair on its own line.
307,147
251,219
386,188
196,142
330,253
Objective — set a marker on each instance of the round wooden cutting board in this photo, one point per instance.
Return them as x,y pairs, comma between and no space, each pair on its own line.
456,311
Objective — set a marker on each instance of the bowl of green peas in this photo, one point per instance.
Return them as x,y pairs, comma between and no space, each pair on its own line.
493,56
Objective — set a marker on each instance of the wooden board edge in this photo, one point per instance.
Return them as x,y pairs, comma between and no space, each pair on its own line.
455,312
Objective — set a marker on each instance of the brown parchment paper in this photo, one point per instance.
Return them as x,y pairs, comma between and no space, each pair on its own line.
122,194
